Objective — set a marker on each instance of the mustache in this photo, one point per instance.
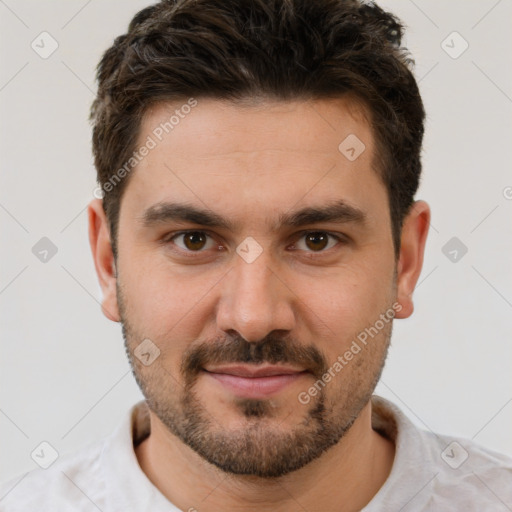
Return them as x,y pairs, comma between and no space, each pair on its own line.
235,349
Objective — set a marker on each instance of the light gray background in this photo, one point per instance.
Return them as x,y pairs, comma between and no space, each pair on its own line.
64,374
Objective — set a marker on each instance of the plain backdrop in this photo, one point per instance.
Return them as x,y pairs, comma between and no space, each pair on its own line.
65,378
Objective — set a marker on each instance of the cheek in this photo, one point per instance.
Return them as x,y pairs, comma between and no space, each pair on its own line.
346,300
168,307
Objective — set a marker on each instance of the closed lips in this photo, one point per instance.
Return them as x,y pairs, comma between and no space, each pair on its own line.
255,372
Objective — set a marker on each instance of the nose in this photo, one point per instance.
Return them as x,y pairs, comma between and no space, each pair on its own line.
255,300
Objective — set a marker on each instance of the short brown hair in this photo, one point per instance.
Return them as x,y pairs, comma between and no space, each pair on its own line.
277,49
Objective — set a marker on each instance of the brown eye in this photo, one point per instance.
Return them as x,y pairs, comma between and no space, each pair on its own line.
193,241
318,241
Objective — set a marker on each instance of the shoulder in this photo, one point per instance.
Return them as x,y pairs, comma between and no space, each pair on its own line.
103,475
468,472
72,482
432,471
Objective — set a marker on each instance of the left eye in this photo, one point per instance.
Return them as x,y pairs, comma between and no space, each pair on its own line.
318,241
194,241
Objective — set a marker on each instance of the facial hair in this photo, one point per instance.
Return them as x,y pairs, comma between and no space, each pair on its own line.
260,448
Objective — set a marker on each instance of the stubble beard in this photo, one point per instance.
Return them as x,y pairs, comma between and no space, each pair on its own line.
260,448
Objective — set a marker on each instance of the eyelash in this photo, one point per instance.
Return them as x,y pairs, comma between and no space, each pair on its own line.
341,239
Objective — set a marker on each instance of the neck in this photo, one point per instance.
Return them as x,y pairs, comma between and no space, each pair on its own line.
346,477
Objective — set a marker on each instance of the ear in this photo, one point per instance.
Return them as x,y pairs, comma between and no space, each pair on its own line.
101,247
414,237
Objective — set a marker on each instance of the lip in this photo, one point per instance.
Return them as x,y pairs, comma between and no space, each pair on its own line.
255,382
252,371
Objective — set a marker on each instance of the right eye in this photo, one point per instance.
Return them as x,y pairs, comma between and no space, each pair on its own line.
192,241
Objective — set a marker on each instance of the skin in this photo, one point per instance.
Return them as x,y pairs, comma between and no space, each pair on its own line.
250,164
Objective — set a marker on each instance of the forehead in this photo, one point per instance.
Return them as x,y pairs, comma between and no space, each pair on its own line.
259,156
214,127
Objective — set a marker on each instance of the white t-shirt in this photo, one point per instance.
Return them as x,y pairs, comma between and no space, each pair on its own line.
430,473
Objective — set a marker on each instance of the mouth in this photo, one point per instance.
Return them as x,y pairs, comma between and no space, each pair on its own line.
250,381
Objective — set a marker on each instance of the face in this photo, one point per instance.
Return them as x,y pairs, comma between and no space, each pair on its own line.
250,241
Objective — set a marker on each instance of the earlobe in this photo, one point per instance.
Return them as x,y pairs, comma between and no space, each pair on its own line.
101,247
412,249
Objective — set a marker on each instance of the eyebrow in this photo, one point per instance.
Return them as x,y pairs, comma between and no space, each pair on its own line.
338,212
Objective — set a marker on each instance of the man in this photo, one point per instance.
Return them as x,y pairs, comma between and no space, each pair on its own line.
230,139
